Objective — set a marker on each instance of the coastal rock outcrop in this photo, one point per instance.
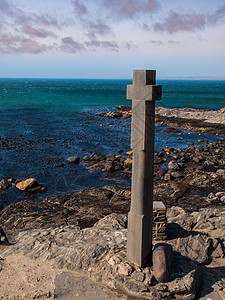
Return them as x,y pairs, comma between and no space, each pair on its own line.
99,252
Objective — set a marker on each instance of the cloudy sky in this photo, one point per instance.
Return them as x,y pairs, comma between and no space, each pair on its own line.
110,38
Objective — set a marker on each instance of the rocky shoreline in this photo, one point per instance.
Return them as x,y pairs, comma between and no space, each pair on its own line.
199,120
85,231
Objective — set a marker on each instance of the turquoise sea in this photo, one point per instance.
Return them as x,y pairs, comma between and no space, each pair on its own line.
78,95
44,121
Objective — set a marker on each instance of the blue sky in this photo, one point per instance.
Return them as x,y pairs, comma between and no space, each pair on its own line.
110,38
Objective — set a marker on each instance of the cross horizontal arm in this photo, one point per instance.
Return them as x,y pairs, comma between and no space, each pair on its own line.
147,93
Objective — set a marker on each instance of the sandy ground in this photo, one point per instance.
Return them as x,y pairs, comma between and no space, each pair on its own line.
22,278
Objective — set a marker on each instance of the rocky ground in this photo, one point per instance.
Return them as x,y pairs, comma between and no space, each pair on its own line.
77,232
99,252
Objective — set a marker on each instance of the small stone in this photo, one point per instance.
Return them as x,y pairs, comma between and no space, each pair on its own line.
173,166
162,262
222,199
220,194
128,162
213,199
167,177
114,260
125,269
176,174
130,152
11,180
4,184
26,184
73,159
138,276
220,172
86,158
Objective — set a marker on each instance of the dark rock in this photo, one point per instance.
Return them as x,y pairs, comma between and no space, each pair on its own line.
35,189
132,286
124,107
171,130
4,184
59,165
162,259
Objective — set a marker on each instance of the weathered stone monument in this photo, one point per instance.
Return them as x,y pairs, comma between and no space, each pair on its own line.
143,93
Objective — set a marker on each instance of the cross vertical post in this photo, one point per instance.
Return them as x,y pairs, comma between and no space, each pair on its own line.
143,93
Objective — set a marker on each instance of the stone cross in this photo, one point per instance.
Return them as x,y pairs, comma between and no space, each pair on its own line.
143,93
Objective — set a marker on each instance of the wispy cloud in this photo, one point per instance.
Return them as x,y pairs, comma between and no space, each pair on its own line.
98,28
93,24
155,42
102,44
40,33
217,16
80,8
181,22
4,7
71,46
14,44
130,8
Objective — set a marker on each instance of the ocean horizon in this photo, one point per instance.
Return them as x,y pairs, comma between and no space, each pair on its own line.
89,93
